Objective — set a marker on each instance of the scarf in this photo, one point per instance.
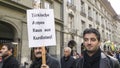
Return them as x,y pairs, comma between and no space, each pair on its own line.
92,61
37,63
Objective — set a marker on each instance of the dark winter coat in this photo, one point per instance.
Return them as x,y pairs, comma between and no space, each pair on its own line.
51,62
105,62
118,56
10,62
67,62
1,64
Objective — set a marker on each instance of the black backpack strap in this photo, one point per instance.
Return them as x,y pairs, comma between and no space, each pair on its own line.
111,63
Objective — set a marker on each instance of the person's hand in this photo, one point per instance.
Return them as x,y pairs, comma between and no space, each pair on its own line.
44,66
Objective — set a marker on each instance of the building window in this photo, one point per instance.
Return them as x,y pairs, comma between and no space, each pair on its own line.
89,11
102,22
107,35
106,22
70,1
82,6
98,4
102,9
93,1
47,5
98,28
90,26
103,35
110,36
102,19
83,26
5,40
61,12
99,18
71,20
96,16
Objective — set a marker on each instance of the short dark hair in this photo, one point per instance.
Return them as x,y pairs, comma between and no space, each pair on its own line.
92,30
9,46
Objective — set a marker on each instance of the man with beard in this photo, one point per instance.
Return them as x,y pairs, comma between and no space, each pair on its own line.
9,61
50,61
67,61
93,57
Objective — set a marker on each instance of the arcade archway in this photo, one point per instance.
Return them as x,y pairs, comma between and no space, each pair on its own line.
7,34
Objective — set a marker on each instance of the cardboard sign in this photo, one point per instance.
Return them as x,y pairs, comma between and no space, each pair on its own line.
41,27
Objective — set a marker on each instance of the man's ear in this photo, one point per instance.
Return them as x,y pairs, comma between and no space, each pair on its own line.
99,43
45,51
10,51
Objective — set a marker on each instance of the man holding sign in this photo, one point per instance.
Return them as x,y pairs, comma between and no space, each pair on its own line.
41,32
50,61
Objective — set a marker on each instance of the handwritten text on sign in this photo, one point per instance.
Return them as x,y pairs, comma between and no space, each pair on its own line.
41,27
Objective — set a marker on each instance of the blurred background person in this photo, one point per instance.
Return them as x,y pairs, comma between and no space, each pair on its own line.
1,60
67,61
76,55
118,56
9,61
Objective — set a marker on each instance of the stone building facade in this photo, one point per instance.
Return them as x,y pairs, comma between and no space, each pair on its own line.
13,26
71,18
81,14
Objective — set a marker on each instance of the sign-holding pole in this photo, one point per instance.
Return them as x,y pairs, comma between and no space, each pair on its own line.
43,55
37,5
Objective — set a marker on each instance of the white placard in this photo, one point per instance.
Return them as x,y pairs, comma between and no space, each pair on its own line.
41,27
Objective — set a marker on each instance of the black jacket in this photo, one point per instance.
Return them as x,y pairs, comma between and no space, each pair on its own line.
105,62
1,63
10,62
67,62
51,62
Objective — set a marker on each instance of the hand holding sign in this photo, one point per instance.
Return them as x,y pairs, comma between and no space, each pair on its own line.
44,66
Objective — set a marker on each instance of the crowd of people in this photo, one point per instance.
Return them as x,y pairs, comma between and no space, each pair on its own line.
91,57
